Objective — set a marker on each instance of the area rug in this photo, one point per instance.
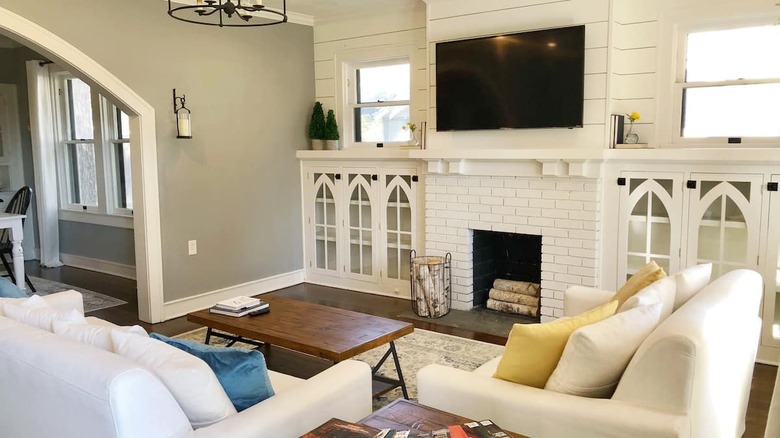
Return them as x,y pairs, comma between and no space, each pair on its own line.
92,300
415,351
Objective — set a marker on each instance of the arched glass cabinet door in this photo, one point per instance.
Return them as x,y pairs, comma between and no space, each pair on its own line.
399,226
360,226
650,224
324,221
724,224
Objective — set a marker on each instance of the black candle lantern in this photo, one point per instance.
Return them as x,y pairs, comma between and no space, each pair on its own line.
183,116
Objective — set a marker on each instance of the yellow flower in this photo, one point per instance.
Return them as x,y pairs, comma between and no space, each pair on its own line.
633,117
411,126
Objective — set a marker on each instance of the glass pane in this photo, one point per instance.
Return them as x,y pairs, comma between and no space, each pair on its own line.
743,187
663,263
354,258
392,210
733,213
406,219
735,244
640,209
80,110
382,124
667,184
124,179
384,84
732,111
714,211
733,54
405,260
706,186
637,236
122,125
660,240
319,206
368,262
658,208
2,150
354,208
406,241
634,263
331,248
320,248
709,243
330,208
634,183
83,176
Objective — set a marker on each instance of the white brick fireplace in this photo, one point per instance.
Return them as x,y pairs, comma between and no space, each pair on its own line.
564,211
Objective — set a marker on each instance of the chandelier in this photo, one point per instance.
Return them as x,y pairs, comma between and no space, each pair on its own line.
229,13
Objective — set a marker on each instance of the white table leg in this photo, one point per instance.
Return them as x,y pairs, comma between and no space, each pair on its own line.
17,253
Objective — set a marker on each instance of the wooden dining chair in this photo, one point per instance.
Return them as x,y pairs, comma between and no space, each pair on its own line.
18,205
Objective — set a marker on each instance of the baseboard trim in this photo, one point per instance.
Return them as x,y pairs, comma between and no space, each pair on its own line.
104,266
177,308
768,355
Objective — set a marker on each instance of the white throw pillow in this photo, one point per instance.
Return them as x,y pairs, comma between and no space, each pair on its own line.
35,311
188,378
597,354
662,291
690,281
96,335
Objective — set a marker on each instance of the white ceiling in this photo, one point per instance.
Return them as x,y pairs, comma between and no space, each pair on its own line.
333,9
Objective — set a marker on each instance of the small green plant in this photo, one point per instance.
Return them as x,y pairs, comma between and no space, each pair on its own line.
331,127
317,124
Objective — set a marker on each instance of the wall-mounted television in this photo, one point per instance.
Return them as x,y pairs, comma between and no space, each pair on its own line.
520,81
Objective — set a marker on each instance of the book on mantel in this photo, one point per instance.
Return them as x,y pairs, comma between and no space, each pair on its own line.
237,307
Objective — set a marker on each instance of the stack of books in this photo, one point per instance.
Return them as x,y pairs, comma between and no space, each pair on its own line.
238,306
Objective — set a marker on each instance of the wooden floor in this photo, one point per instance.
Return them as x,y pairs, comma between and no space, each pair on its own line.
303,366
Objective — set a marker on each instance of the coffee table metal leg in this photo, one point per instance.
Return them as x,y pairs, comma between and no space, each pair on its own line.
208,336
397,382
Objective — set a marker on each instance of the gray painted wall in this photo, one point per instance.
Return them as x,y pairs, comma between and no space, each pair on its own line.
235,186
97,242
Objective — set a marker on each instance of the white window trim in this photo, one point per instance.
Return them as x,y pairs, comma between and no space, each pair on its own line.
674,28
347,62
104,213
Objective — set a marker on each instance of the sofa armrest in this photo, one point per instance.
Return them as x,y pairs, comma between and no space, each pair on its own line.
66,300
539,413
579,299
342,391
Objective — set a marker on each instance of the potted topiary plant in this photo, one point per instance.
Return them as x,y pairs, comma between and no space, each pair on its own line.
331,131
317,127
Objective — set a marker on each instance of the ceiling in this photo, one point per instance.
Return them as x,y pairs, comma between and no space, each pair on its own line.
332,9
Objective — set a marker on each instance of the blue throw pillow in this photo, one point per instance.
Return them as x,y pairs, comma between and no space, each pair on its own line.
10,290
242,373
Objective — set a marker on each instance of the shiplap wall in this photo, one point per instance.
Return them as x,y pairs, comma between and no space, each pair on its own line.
337,39
460,19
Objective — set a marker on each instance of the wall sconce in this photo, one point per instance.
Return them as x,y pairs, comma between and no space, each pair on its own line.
183,116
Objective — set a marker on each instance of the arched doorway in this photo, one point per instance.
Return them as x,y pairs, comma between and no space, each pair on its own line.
146,220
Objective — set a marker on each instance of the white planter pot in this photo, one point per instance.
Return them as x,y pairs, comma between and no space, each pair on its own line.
332,144
317,145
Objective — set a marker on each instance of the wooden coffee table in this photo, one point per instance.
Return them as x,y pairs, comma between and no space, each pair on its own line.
408,415
326,332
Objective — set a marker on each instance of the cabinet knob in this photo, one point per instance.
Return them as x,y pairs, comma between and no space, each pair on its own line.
415,178
338,176
374,177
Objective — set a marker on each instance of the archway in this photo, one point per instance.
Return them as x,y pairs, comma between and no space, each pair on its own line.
143,142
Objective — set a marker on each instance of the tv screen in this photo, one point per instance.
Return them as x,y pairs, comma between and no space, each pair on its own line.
519,81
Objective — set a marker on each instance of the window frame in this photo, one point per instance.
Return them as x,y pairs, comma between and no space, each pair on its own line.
679,86
105,213
346,92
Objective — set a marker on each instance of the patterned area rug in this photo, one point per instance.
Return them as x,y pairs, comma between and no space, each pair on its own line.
414,352
92,300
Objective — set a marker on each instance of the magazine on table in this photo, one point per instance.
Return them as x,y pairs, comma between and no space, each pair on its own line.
239,312
237,303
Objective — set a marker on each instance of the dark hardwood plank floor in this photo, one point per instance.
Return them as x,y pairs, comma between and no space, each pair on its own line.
305,366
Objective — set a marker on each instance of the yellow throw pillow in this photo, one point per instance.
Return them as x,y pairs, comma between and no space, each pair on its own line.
533,350
649,274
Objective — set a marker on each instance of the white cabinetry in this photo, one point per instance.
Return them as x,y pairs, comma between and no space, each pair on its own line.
361,223
684,219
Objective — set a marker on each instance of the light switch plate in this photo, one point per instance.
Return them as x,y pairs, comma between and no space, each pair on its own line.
192,247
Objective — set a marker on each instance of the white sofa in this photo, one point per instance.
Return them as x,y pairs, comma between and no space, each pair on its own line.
54,387
690,377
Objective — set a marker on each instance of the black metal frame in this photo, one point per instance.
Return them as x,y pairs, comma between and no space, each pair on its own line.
233,339
229,8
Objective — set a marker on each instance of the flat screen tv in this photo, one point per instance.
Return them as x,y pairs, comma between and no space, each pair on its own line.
519,81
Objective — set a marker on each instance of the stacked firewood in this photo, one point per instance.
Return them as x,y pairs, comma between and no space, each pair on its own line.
519,297
430,281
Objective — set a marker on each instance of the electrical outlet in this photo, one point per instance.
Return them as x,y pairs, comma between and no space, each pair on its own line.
192,247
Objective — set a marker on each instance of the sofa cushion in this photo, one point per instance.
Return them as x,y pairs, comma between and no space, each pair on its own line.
690,281
533,350
35,311
190,380
644,277
96,335
10,290
662,291
242,373
597,354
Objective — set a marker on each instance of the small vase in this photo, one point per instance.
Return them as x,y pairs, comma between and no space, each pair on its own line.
415,140
332,145
631,138
317,144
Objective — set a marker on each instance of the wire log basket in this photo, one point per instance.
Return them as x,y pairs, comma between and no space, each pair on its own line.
431,279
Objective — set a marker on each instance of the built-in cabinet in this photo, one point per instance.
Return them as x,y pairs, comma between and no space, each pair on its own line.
361,224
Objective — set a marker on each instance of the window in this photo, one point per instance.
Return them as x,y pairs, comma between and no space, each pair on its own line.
379,101
729,85
93,154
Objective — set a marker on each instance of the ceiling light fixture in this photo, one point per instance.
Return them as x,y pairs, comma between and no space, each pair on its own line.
249,13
